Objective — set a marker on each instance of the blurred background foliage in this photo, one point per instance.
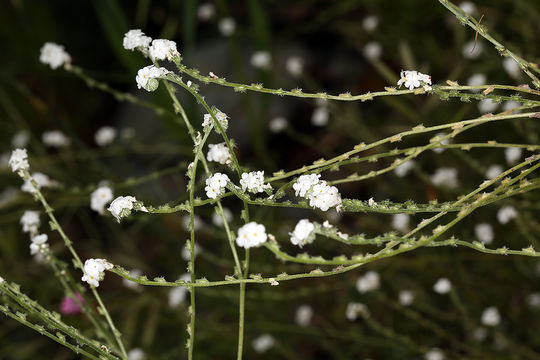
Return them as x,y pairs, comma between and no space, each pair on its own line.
330,37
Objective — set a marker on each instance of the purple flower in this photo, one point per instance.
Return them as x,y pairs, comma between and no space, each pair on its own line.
69,305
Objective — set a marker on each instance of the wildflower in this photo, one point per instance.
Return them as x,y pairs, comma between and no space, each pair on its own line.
277,124
404,168
438,137
303,315
468,7
217,219
533,300
162,49
304,183
511,105
227,26
69,305
206,11
30,221
355,309
491,316
484,233
413,79
105,135
218,153
446,177
19,160
94,271
263,343
136,39
253,182
136,354
294,66
122,206
406,297
251,235
197,222
369,282
54,55
215,185
493,171
434,354
135,273
442,286
39,244
371,202
55,138
506,214
303,233
324,197
372,50
100,197
273,282
472,49
370,23
41,181
400,222
320,116
512,67
221,118
261,59
20,139
177,295
186,252
477,80
487,106
512,155
147,77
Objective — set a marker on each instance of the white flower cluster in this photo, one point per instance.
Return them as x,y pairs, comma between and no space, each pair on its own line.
250,235
218,153
136,39
221,117
41,181
254,182
94,270
400,222
30,223
162,49
55,138
105,135
19,161
39,244
484,233
506,214
491,316
147,77
100,197
122,206
369,282
320,194
303,233
442,286
446,177
215,185
355,309
54,55
413,79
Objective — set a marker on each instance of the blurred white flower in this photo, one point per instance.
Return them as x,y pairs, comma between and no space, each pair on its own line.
370,281
206,11
261,59
303,315
355,309
295,65
20,139
369,23
493,171
506,214
320,116
218,153
403,169
442,286
512,67
512,155
55,138
134,39
263,343
136,354
100,198
491,316
105,135
434,354
446,177
372,50
227,26
400,222
487,106
472,51
54,55
302,232
484,233
277,124
406,297
218,219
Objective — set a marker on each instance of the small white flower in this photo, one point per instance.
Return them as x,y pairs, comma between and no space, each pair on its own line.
215,185
251,235
162,49
100,197
263,343
94,270
471,50
206,11
512,155
261,59
370,23
135,38
136,354
434,354
19,160
20,139
105,135
218,219
442,286
253,182
403,169
273,282
506,214
55,138
477,80
487,106
302,233
304,183
446,177
372,50
438,137
147,77
484,233
39,244
406,297
221,117
303,315
493,171
400,222
277,124
371,202
186,253
511,105
177,295
468,7
227,26
320,116
197,222
413,79
370,281
218,153
41,181
122,206
355,309
30,221
40,239
491,316
294,66
324,197
54,55
135,273
512,67
533,300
